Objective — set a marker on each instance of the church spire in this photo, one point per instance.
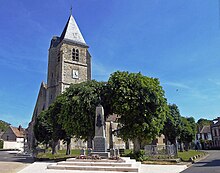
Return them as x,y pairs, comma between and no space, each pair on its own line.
71,32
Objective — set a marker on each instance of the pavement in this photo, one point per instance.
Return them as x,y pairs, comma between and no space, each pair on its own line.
13,161
41,167
11,167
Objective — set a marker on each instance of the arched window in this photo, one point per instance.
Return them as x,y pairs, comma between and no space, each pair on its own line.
75,54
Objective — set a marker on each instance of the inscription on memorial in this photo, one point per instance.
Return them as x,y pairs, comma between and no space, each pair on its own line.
99,144
99,121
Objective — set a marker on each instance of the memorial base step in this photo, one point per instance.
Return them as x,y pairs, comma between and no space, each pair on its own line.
124,165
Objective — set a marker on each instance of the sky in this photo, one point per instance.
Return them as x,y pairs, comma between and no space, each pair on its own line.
176,41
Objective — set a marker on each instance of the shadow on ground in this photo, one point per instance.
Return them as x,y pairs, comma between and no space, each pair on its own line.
15,157
208,164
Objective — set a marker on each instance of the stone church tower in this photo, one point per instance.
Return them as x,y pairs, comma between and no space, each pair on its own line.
69,62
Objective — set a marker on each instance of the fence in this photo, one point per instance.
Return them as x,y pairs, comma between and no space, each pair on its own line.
160,150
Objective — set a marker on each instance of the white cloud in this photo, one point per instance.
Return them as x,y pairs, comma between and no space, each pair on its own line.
101,72
176,84
215,81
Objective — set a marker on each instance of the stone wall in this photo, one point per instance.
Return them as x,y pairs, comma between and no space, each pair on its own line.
40,105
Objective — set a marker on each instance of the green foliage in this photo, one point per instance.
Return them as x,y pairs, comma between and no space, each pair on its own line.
140,102
54,114
139,156
172,125
188,129
78,115
61,154
42,128
185,155
48,127
3,126
203,122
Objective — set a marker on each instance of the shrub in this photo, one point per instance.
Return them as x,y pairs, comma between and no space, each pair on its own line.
139,156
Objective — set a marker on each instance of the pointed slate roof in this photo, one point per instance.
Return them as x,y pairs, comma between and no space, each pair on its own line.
72,33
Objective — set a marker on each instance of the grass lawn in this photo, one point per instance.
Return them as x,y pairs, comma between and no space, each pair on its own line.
185,155
60,154
127,151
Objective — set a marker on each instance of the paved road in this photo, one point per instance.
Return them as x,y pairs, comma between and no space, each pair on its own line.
12,161
210,164
14,156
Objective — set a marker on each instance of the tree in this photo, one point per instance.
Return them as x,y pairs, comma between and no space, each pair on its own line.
140,102
203,122
80,108
54,115
3,126
172,124
42,129
48,125
188,131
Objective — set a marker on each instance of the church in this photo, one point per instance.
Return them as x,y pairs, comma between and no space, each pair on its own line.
69,62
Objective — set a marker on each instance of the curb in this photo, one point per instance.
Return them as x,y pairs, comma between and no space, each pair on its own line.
197,158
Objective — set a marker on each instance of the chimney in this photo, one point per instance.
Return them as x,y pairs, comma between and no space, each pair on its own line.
19,127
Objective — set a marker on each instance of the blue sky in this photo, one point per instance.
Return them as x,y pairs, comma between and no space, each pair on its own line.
177,41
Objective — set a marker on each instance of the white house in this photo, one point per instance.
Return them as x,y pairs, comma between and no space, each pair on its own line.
204,134
14,138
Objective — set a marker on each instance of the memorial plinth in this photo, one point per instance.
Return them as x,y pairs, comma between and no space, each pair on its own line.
100,147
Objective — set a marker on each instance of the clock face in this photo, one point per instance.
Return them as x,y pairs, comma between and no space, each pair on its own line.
75,74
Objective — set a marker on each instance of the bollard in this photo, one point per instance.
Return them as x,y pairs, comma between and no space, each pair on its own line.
82,152
117,153
89,151
112,152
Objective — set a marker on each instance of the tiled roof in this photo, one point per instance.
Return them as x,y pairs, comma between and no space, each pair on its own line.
19,132
205,129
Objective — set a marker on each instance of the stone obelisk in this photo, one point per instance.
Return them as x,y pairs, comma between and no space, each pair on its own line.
100,146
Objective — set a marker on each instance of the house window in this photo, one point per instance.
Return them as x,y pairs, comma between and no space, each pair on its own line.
205,136
213,132
7,138
75,54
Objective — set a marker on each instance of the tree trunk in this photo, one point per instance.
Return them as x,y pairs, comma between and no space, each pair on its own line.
110,137
68,146
181,147
54,146
127,144
176,147
186,146
89,142
137,146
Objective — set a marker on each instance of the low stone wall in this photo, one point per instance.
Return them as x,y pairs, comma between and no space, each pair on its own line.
13,145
